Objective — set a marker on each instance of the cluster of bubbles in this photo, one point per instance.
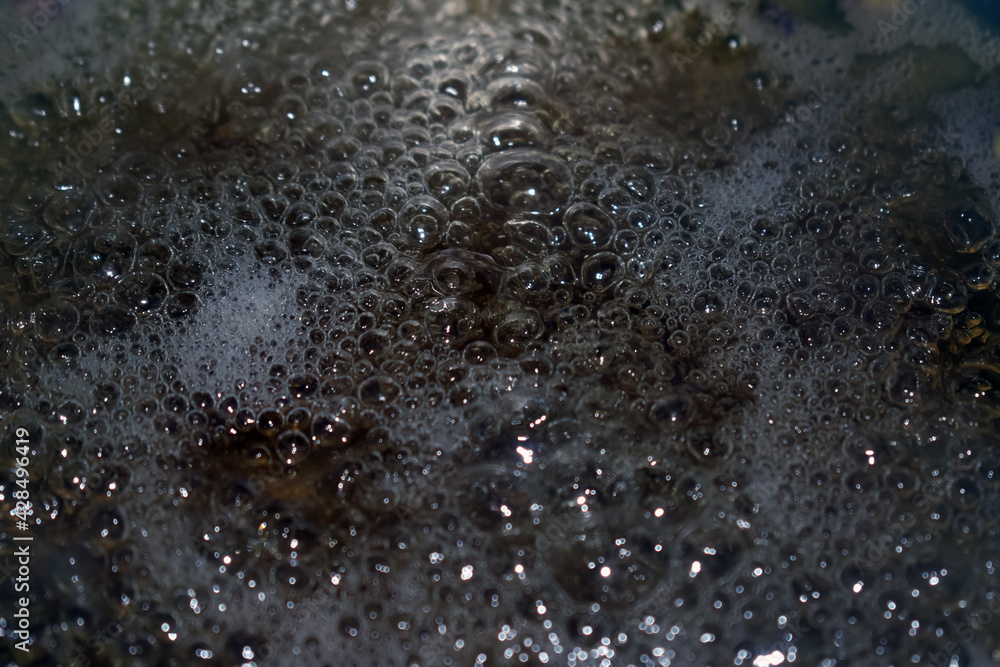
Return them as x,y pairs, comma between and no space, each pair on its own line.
500,341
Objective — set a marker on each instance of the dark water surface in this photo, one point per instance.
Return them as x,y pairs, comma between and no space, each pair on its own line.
501,333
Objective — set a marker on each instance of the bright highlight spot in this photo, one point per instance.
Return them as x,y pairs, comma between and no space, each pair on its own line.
773,658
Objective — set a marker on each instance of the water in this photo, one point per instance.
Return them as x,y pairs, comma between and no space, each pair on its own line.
503,333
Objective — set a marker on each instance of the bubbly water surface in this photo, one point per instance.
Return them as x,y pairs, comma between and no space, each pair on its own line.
488,333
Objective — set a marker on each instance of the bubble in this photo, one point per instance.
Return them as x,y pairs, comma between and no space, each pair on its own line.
306,243
978,276
180,304
142,292
766,229
303,385
447,180
107,393
820,227
672,413
188,270
112,320
588,226
479,353
70,211
637,182
56,319
978,385
813,334
601,271
947,294
766,300
451,320
525,182
120,190
269,251
378,391
292,448
530,282
895,290
801,305
649,155
423,221
509,130
968,229
517,329
332,430
104,255
516,58
452,276
708,303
